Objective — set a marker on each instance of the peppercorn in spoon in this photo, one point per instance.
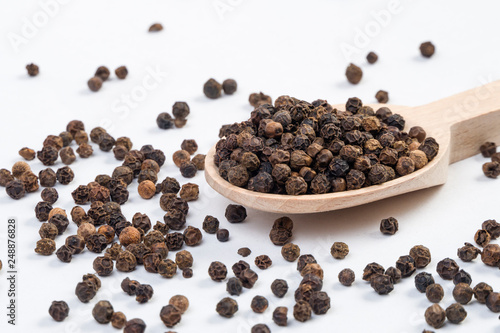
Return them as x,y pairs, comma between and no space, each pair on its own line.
459,124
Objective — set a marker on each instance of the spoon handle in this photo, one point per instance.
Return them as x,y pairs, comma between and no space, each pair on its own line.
471,118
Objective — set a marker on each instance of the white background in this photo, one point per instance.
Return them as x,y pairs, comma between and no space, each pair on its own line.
278,47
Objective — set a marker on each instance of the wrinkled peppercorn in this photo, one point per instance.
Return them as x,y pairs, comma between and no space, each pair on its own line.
217,271
382,284
260,328
371,57
389,226
290,252
229,86
435,316
263,261
279,288
493,302
346,277
372,269
227,307
423,280
32,69
447,268
183,259
456,313
421,255
234,286
481,292
259,304
50,195
143,293
135,326
121,72
462,293
222,235
339,250
244,251
59,310
482,237
64,253
94,83
491,255
382,96
118,320
462,277
280,316
406,264
103,266
302,311
102,312
434,293
353,74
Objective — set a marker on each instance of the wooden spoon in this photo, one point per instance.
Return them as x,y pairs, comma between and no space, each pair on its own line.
460,124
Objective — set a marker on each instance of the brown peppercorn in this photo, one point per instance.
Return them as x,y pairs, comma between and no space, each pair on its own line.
418,133
492,227
493,302
15,189
210,224
81,137
259,304
435,316
102,72
257,99
244,251
103,266
382,96
146,189
353,74
118,320
199,161
406,264
462,293
143,293
30,181
491,169
59,310
234,286
481,292
20,168
190,146
280,316
48,230
482,237
491,255
419,158
5,177
290,252
86,290
96,242
346,277
217,271
212,89
263,261
75,126
135,326
312,269
302,311
229,86
27,153
188,170
427,49
227,307
339,250
86,229
187,273
192,236
372,269
189,192
405,166
382,284
394,273
130,235
456,313
85,150
184,259
42,210
108,232
102,312
372,57
421,255
155,27
64,253
235,213
45,246
121,72
175,241
65,175
487,149
279,288
32,69
180,302
468,252
67,155
120,152
180,110
434,293
60,221
447,268
94,83
75,243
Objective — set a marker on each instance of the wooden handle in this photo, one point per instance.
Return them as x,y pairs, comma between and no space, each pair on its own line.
470,118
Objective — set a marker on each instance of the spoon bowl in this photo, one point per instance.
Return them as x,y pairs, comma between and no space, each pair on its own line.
460,124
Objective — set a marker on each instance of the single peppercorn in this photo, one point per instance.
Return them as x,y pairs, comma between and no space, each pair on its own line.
435,316
290,252
263,261
222,235
260,328
491,255
155,27
346,277
95,83
280,316
372,57
421,255
372,269
406,264
49,195
146,189
135,326
212,89
353,74
64,253
257,99
121,72
279,288
27,153
427,49
382,96
118,320
259,304
102,72
482,237
493,302
447,268
468,252
235,213
143,293
234,286
394,273
456,313
382,284
103,266
184,259
59,310
32,69
434,293
462,293
339,250
164,120
481,292
229,86
217,271
189,192
423,280
102,312
302,311
462,277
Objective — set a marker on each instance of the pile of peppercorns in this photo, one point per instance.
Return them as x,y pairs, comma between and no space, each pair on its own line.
296,147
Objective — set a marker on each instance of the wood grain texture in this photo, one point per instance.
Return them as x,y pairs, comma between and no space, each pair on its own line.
460,124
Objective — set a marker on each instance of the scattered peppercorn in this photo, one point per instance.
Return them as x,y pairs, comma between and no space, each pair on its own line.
135,326
156,27
121,72
372,57
234,286
27,153
290,252
212,89
435,316
222,235
382,96
102,312
280,316
32,69
217,271
259,304
244,251
447,268
481,292
353,74
339,250
229,86
235,213
164,120
423,280
59,310
346,277
227,307
279,288
95,83
456,313
427,49
434,293
462,293
118,320
421,255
